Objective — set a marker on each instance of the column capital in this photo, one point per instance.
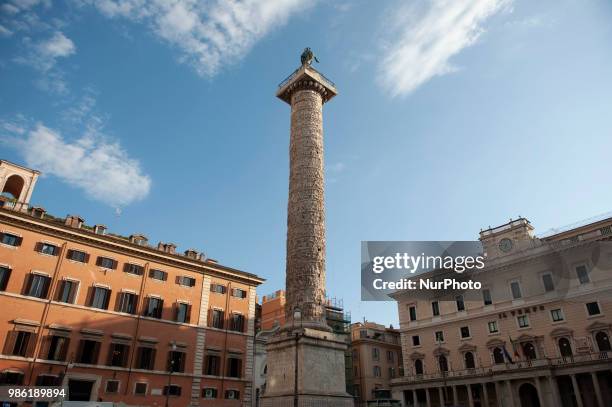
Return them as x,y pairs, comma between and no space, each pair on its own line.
306,77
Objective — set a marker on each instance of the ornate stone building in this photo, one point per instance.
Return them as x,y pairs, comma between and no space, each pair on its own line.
114,318
537,334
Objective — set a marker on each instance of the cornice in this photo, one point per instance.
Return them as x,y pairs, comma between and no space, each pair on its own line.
124,247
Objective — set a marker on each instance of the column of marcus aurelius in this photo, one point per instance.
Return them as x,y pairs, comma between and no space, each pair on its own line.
305,359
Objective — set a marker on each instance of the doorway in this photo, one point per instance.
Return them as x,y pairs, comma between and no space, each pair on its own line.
528,395
79,390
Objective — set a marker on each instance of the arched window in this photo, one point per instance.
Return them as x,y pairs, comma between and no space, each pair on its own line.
529,351
498,356
418,366
603,341
469,360
565,348
443,363
13,186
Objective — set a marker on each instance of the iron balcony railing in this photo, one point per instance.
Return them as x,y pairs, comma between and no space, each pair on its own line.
329,83
550,363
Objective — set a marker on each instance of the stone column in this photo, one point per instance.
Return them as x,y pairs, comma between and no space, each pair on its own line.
485,394
597,389
318,370
305,270
556,398
306,90
427,399
415,400
510,393
499,398
540,394
470,398
441,395
455,395
576,390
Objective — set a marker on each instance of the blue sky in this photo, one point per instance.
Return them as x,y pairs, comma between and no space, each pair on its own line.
160,118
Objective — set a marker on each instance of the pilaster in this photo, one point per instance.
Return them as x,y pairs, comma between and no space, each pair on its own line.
198,360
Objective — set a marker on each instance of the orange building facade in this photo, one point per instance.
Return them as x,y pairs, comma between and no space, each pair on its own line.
273,310
112,318
377,359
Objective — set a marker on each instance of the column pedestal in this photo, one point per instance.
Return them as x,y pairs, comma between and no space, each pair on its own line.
319,369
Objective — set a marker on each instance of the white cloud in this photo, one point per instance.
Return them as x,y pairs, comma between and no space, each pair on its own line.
93,163
44,55
58,46
425,37
28,4
5,32
8,8
210,34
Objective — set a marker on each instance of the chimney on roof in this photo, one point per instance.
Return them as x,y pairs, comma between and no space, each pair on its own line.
38,212
140,240
194,254
167,247
74,221
100,229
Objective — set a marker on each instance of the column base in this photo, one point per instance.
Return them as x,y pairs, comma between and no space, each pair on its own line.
308,400
319,368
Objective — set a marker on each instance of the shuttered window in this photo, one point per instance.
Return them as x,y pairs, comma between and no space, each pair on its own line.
88,352
56,347
186,281
145,358
237,323
118,355
10,239
133,269
217,288
47,248
106,263
37,286
158,275
211,365
100,296
183,312
20,343
216,318
154,307
77,255
239,293
68,291
5,274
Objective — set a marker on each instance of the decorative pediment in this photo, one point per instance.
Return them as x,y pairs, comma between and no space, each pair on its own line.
416,355
440,351
495,342
598,326
561,332
467,347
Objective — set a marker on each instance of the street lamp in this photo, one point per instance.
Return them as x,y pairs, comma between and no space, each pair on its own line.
170,370
297,315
